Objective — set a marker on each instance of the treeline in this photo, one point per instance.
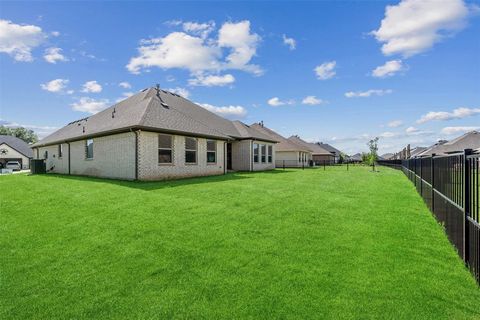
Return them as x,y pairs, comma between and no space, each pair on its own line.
25,134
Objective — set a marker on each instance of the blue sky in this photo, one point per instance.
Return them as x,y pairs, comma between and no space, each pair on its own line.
406,71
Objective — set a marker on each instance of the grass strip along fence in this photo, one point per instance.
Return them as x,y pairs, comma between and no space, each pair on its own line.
449,184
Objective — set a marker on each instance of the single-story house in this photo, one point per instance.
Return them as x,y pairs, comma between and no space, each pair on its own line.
469,140
416,151
287,153
14,149
155,135
356,158
336,153
319,155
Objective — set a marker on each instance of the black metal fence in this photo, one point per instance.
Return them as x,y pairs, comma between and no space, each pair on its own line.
450,187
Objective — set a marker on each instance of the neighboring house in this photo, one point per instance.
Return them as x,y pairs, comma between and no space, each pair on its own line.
336,153
385,156
287,153
469,140
14,149
319,155
416,151
155,135
357,158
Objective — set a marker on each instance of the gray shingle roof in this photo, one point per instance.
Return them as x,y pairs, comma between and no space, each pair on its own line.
284,144
469,140
313,147
330,148
155,110
17,144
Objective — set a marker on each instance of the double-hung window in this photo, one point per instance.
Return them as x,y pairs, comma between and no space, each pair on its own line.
190,150
60,150
255,152
89,149
211,151
270,152
165,148
264,153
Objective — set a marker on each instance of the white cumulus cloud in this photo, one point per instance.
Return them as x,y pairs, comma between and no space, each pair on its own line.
457,130
413,26
325,70
57,86
53,55
89,105
125,85
180,91
18,41
458,113
201,29
290,42
212,80
368,93
276,102
226,111
395,123
92,87
234,48
389,69
312,100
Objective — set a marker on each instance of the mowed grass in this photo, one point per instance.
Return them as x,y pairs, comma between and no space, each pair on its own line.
293,244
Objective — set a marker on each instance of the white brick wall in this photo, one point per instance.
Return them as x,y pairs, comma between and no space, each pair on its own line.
54,163
241,155
150,169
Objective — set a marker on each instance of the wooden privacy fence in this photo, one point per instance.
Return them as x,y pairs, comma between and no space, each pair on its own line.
449,184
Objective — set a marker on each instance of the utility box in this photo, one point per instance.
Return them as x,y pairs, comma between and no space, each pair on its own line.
38,166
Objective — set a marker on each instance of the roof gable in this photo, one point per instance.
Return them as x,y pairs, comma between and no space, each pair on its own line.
17,144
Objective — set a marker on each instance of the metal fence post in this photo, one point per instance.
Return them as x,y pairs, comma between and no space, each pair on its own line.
323,165
432,172
466,203
283,164
421,177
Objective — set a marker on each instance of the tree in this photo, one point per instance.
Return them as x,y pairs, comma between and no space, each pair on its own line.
373,156
25,134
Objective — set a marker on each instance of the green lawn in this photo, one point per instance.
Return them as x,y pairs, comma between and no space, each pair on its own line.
331,244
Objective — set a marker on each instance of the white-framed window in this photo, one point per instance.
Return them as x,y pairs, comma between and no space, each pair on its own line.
89,149
60,150
190,150
255,152
270,153
165,148
264,153
211,151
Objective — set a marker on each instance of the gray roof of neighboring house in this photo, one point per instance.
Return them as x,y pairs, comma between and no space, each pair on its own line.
313,147
385,156
469,140
284,144
330,148
17,144
155,110
416,151
356,156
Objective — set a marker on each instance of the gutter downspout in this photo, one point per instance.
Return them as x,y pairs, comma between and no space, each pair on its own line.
225,157
68,157
251,155
137,135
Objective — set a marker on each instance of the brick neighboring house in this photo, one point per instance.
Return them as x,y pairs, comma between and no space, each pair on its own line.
14,149
319,155
288,153
155,135
336,153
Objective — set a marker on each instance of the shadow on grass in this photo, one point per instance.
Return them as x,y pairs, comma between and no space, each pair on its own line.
155,185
